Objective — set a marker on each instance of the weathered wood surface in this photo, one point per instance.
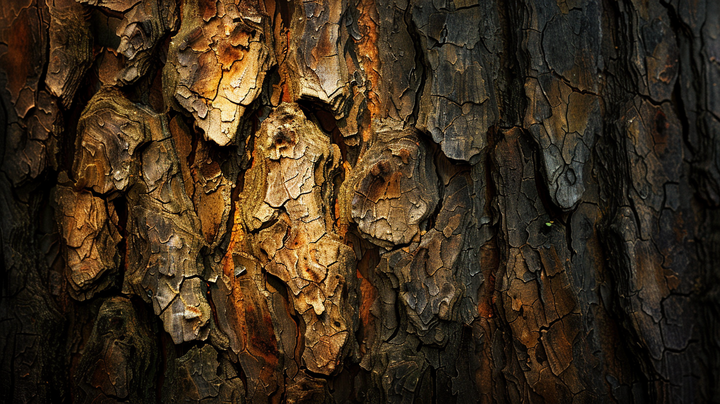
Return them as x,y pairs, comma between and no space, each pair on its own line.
359,201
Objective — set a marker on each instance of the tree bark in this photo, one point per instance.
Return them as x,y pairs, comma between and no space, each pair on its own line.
359,201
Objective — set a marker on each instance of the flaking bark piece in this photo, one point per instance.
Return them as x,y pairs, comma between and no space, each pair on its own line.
110,131
91,239
427,274
126,148
307,389
316,54
144,24
244,314
23,57
164,247
392,190
217,64
31,144
562,87
30,117
400,370
287,192
461,46
140,31
71,52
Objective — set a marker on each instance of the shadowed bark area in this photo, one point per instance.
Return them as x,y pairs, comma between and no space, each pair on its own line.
359,201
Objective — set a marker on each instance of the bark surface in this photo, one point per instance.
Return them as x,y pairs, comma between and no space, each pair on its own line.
359,201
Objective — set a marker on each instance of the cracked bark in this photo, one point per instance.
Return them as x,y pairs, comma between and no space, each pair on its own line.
359,201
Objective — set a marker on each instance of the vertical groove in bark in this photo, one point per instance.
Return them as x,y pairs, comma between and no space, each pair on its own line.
449,201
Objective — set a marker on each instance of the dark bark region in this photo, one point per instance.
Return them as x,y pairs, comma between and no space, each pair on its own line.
420,201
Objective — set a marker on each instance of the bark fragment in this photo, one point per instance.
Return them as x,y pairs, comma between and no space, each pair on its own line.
392,190
459,103
126,148
70,49
91,236
31,117
562,86
402,70
245,317
316,55
31,143
24,57
144,24
289,187
217,64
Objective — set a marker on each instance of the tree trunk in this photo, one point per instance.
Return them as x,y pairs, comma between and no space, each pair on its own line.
262,201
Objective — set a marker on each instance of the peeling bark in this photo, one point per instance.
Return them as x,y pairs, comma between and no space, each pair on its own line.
316,57
217,64
162,263
291,230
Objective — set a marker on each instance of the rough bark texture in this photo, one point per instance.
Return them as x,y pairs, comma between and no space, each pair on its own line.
359,201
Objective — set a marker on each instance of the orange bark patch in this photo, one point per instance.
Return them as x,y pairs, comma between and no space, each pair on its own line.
237,236
17,59
490,260
370,59
368,294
